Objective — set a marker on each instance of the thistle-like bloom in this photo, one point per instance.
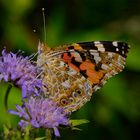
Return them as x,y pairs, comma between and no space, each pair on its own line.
20,71
40,112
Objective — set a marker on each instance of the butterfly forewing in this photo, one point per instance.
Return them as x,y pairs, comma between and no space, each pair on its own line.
71,73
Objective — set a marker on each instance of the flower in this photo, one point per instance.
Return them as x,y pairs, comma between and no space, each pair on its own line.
40,112
19,70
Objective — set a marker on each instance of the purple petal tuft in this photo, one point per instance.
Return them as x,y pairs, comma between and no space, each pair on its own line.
40,112
21,71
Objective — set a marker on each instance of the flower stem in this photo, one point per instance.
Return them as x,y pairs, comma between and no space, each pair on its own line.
48,134
6,96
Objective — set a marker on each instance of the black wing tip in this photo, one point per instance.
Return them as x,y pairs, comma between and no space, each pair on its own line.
122,46
125,48
119,47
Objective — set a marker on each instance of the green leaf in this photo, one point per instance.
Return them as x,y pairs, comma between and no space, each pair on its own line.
78,122
6,130
40,138
75,128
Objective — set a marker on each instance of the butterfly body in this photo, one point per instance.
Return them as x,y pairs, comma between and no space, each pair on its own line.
72,73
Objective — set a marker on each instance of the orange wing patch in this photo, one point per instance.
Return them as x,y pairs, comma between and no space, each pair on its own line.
87,67
92,75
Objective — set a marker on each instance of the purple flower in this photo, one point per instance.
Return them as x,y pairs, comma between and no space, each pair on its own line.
19,70
40,112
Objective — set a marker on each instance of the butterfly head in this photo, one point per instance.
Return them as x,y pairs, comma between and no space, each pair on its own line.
42,48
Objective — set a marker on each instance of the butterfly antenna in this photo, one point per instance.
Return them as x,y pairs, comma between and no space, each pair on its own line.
44,23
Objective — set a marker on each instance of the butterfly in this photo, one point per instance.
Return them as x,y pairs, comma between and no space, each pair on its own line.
72,73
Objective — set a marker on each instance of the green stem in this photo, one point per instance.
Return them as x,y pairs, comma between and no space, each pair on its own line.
6,96
48,134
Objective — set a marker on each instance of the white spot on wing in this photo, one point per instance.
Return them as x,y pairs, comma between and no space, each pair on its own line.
66,84
117,49
115,43
97,59
93,51
110,54
105,67
62,64
110,64
77,56
72,72
122,52
100,46
97,42
108,75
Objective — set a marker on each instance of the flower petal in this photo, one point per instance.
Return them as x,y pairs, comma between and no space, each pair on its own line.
56,132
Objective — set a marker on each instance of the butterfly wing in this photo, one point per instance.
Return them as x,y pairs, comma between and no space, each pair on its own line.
73,72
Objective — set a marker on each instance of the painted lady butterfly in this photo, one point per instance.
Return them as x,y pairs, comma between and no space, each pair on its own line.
72,73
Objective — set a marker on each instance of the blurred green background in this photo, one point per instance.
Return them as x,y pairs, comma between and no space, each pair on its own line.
114,110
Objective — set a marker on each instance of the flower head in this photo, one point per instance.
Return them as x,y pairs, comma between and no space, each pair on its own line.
21,72
40,112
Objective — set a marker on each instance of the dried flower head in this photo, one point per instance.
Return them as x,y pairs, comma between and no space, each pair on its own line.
40,112
19,70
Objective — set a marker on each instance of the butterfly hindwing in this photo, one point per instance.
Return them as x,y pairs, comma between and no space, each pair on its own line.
64,85
73,72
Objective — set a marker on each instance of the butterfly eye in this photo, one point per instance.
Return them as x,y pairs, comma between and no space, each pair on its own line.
75,94
63,101
71,100
79,91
